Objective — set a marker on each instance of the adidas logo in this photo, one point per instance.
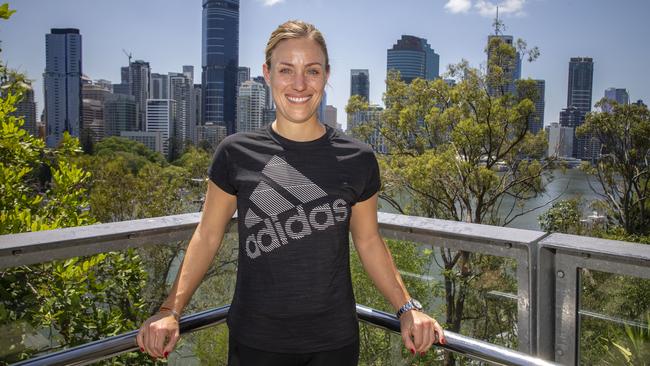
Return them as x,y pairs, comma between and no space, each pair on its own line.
307,217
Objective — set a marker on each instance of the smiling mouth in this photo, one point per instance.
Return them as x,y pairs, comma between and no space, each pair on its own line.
298,100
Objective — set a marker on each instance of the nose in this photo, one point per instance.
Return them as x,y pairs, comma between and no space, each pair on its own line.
299,82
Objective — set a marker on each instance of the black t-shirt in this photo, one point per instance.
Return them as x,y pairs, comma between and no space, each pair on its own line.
294,291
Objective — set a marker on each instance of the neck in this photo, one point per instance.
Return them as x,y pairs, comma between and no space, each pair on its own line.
305,131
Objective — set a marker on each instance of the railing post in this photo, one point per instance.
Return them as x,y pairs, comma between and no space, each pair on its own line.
545,303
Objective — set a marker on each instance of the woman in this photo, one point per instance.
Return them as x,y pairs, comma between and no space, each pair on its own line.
299,188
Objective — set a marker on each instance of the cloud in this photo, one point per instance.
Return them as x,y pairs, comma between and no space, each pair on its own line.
272,2
489,9
486,8
458,6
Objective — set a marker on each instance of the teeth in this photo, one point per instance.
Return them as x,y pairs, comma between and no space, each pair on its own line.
298,100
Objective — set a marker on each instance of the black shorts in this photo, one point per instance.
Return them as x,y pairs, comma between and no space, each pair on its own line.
241,355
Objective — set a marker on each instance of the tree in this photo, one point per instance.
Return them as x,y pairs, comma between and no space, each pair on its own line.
562,217
459,150
68,302
623,170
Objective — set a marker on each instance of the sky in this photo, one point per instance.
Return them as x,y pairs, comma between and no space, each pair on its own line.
167,34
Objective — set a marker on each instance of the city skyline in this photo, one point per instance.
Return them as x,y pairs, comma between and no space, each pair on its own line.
107,29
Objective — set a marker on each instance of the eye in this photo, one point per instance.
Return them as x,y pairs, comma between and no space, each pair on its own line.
313,72
285,70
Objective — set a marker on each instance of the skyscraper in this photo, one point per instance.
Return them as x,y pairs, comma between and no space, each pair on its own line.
159,86
180,90
250,106
360,83
161,117
268,103
94,96
581,75
618,95
192,132
536,121
414,58
140,86
26,109
511,69
220,62
243,74
62,79
120,114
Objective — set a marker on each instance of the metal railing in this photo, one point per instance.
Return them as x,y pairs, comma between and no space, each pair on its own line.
114,346
547,265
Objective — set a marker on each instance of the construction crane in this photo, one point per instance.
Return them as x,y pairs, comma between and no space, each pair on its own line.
128,54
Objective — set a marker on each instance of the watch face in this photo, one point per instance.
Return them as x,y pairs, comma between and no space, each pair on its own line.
417,304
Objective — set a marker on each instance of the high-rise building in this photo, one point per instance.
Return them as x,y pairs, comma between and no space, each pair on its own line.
243,74
330,116
268,104
192,132
26,109
414,58
62,79
152,140
159,86
92,121
212,133
105,84
250,106
122,89
93,97
560,140
618,95
140,86
180,90
375,139
198,106
120,114
583,147
95,91
511,69
581,75
536,121
161,117
220,62
360,83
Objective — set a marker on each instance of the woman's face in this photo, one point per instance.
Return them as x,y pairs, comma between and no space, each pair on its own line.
297,78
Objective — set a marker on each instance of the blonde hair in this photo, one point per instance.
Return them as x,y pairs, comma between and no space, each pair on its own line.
295,29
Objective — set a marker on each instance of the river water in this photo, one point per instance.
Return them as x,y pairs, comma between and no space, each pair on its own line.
567,184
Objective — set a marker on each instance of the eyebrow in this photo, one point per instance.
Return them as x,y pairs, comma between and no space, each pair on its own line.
307,65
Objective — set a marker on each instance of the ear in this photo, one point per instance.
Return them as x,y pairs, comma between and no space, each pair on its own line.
267,74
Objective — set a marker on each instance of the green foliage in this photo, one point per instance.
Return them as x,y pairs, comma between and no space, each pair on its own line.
64,302
458,150
379,347
622,171
134,151
562,217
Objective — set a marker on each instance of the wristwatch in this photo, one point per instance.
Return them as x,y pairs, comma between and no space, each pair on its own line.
412,304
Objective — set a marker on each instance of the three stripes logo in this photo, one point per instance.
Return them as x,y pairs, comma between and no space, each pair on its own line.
303,220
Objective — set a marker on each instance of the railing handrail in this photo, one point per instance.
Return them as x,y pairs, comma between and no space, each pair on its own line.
126,342
42,246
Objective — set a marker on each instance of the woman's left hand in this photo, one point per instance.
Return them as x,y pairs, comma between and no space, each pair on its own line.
420,331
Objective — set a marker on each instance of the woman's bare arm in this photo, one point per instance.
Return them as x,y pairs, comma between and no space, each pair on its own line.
419,330
159,334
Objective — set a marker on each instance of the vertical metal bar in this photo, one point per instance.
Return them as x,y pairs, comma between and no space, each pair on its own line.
546,303
524,323
566,309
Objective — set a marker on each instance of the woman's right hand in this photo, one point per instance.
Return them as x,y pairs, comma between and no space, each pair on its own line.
158,334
